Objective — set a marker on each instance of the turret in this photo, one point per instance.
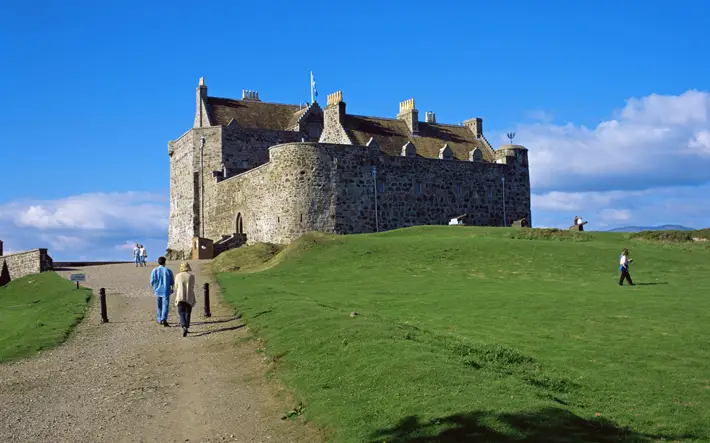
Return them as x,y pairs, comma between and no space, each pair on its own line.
512,155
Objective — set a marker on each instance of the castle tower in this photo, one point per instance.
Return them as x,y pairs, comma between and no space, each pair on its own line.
475,125
409,114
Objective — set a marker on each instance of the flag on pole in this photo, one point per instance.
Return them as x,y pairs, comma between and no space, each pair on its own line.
314,91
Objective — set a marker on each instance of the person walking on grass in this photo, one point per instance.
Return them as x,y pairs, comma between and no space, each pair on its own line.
136,255
624,262
162,281
185,295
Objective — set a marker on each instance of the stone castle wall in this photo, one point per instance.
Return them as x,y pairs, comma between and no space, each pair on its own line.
330,187
181,228
17,265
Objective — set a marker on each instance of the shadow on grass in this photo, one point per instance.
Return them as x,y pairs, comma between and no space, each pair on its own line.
550,425
651,283
212,322
231,328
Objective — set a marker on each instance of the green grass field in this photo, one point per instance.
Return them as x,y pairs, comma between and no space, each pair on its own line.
485,334
38,312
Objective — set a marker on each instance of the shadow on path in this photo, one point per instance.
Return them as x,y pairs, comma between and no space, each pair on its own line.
551,425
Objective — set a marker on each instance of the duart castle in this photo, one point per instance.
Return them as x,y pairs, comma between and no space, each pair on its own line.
253,171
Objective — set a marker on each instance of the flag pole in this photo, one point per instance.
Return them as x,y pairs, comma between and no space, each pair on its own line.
311,87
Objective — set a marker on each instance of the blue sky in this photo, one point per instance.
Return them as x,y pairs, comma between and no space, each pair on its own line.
610,97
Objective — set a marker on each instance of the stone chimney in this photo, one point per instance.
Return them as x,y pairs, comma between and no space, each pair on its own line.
202,118
409,114
333,119
335,107
250,95
430,117
475,125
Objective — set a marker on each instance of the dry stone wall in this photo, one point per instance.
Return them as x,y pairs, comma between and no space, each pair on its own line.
14,266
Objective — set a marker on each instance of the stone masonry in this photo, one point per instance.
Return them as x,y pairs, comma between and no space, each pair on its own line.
20,264
270,172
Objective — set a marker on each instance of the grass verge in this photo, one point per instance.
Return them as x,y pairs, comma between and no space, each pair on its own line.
38,312
468,334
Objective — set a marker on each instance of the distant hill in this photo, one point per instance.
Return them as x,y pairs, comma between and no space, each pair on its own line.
652,228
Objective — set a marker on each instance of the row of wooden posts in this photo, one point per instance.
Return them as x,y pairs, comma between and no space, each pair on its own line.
104,314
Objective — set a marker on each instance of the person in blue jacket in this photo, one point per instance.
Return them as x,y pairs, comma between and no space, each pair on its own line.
162,281
624,262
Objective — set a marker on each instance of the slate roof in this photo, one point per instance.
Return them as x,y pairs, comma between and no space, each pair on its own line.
251,114
392,134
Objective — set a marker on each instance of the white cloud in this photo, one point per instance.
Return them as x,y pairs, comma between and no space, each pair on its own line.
540,116
127,246
700,144
651,207
653,141
93,212
64,242
89,225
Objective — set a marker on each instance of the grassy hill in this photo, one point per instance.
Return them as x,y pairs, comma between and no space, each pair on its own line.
485,333
38,312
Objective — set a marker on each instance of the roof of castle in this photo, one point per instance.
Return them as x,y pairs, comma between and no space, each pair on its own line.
252,114
392,134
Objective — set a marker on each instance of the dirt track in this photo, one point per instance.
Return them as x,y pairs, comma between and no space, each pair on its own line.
135,381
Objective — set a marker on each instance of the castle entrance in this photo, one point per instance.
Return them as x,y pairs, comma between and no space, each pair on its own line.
239,228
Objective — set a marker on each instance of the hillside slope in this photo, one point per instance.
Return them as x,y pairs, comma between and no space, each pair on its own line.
489,333
651,228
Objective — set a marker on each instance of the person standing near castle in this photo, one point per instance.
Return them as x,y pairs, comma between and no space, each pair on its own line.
185,295
162,281
136,255
624,262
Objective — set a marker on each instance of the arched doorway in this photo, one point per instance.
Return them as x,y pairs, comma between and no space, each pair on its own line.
240,224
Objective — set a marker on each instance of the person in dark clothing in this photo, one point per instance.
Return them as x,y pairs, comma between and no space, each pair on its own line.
624,262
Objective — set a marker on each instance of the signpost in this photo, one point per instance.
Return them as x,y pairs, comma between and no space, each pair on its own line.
77,278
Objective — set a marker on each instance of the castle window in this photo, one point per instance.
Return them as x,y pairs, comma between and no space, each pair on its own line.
458,189
278,220
301,218
380,186
418,188
490,193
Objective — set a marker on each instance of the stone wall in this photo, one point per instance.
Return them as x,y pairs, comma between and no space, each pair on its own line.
244,149
330,188
14,266
292,194
181,229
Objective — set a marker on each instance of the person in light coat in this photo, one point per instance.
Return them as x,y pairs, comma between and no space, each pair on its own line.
185,295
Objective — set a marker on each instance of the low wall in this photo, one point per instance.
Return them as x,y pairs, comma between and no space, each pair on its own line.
13,266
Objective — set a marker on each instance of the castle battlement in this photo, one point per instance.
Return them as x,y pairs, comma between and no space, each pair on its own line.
272,171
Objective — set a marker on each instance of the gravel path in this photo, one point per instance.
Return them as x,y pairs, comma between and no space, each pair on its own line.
133,380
